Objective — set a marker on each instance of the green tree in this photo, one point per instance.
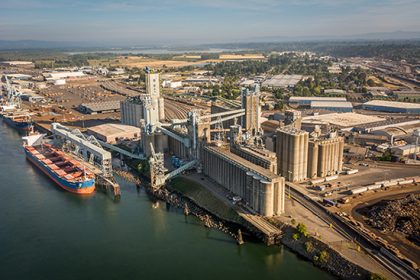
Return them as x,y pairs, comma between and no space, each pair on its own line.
295,236
302,229
370,83
309,247
375,276
323,256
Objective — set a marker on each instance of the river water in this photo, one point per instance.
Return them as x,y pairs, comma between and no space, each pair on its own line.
47,233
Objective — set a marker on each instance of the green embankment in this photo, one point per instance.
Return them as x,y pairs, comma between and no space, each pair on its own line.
204,198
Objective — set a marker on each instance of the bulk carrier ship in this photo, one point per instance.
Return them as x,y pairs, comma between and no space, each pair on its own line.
18,120
66,172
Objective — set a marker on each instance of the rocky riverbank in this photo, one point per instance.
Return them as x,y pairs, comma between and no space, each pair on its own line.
321,255
191,208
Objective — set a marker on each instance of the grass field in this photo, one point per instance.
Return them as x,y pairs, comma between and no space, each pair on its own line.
204,198
141,62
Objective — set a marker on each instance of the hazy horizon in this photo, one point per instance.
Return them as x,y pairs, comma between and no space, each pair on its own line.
209,21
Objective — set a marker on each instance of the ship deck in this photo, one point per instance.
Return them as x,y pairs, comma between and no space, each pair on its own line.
60,163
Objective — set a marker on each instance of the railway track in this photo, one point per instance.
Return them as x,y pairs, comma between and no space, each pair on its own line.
379,253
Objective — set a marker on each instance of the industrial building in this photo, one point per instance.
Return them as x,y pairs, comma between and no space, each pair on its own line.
392,106
251,104
62,75
332,106
306,101
325,156
200,80
100,107
405,150
292,153
261,189
132,111
343,120
148,107
251,152
16,63
282,81
156,100
293,118
112,133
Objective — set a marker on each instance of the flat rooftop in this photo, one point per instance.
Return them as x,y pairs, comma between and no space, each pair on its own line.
344,119
317,98
241,161
331,104
110,129
395,104
292,130
102,106
283,80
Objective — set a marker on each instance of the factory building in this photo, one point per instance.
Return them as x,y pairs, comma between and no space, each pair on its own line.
392,106
100,107
250,101
342,107
156,100
63,75
325,156
261,189
282,81
221,108
132,111
148,107
293,118
406,150
258,156
252,152
292,153
112,133
306,101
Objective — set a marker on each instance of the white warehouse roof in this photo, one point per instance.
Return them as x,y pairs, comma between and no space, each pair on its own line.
63,75
317,98
331,104
395,104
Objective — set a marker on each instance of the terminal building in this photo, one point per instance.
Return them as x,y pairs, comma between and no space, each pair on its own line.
392,106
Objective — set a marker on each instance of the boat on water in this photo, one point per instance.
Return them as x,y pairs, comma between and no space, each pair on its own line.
18,120
68,173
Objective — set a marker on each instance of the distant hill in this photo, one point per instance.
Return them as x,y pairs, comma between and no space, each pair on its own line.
38,44
378,36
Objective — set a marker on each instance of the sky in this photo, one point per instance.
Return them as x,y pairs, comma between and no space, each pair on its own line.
200,21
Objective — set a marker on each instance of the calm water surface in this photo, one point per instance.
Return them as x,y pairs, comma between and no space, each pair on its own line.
46,233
